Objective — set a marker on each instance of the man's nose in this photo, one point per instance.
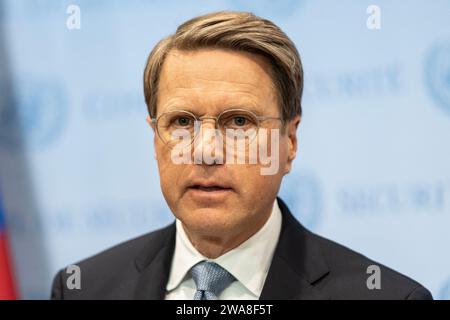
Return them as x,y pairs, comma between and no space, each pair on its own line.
208,123
208,144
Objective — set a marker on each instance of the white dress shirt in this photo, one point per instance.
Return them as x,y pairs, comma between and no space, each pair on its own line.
249,263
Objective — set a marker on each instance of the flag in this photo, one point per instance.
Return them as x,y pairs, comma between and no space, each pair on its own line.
7,287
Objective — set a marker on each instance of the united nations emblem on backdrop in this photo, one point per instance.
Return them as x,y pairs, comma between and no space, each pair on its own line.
437,74
33,115
303,195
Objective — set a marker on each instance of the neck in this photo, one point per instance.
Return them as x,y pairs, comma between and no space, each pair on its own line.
213,246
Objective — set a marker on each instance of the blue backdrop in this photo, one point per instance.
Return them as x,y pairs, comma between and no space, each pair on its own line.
77,173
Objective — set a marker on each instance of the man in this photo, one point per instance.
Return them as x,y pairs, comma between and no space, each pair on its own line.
240,78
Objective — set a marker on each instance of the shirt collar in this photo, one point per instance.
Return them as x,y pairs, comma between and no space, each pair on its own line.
253,254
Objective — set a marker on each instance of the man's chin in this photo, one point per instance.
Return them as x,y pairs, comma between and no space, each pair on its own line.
208,221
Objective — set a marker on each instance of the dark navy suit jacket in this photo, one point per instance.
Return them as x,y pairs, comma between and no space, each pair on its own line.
304,266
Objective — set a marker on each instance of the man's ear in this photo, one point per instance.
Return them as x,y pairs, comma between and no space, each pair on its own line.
152,124
291,131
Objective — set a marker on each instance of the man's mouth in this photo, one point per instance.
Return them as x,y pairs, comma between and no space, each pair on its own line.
209,188
209,191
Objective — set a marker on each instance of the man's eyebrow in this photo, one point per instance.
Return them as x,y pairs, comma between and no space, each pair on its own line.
256,109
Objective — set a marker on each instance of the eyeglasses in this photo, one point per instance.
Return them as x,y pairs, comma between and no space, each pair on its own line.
184,121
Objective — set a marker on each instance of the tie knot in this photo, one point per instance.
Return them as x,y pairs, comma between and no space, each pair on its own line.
209,277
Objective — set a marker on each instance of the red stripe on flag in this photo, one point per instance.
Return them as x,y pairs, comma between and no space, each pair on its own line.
7,288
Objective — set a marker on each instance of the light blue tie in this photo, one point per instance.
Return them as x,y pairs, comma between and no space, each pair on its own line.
211,279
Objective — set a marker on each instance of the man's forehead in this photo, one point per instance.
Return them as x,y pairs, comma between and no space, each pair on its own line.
216,78
215,67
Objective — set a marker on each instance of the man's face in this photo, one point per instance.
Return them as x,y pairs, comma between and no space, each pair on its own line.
206,82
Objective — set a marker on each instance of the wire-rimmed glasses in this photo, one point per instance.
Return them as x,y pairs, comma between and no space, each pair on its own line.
169,123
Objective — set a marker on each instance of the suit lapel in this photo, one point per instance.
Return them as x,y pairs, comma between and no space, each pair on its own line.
297,264
154,265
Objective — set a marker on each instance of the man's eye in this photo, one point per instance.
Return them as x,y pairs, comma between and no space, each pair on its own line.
182,121
240,121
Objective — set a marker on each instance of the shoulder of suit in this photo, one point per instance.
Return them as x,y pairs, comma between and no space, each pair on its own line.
126,252
350,269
